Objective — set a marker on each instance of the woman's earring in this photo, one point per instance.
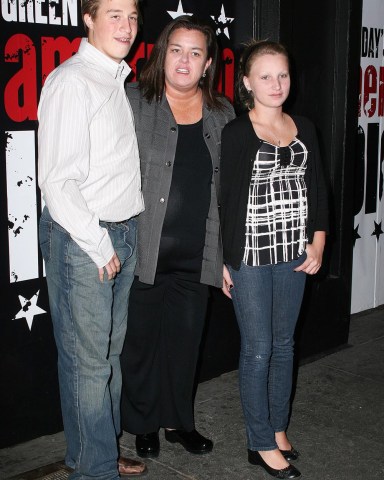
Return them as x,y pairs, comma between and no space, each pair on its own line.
204,74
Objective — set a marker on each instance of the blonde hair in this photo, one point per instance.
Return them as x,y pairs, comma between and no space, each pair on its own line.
252,50
91,7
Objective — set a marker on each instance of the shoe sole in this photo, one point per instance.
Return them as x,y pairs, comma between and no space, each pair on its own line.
147,455
259,464
141,474
195,452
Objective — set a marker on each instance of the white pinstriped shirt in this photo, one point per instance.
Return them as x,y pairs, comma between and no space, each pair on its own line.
89,168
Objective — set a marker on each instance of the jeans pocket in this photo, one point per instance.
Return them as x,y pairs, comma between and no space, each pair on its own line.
45,238
300,260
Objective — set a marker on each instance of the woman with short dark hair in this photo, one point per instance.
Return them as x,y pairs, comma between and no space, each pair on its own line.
179,118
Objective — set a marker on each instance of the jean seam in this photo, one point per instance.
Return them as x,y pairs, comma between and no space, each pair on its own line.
76,375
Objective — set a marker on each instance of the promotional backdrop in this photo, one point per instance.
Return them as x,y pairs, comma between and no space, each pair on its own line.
368,258
36,36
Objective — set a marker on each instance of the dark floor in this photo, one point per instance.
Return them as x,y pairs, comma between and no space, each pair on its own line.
337,423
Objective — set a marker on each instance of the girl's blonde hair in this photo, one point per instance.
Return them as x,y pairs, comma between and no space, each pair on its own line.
252,50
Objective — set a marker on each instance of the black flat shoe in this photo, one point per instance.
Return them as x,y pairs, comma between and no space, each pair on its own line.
193,442
290,455
148,445
287,472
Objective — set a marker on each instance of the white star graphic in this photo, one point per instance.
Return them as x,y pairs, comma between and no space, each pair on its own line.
178,12
29,309
224,21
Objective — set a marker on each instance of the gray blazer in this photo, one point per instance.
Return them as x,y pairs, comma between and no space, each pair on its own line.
157,133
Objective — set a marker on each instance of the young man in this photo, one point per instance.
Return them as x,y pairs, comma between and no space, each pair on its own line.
89,175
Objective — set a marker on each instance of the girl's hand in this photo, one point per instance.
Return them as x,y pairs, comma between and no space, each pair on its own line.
314,252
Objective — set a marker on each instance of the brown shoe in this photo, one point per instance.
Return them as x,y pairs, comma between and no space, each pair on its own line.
131,468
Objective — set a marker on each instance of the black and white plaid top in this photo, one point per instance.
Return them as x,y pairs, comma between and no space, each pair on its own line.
277,205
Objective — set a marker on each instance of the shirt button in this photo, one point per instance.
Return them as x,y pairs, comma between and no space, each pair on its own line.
168,164
173,129
216,169
207,135
161,200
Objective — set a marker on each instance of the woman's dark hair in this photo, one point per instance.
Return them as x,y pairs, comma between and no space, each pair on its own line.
252,50
152,78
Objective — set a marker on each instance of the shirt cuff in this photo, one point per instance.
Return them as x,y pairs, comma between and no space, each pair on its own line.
104,252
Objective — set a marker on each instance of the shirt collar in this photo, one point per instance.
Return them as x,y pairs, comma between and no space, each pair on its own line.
92,54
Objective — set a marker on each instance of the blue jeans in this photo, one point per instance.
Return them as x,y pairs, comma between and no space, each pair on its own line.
267,301
89,321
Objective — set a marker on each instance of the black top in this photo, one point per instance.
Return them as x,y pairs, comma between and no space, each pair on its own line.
183,234
239,146
277,205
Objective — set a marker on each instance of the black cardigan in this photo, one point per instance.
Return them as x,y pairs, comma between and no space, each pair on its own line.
239,146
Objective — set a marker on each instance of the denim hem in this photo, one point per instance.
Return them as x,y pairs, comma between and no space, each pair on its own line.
262,449
278,430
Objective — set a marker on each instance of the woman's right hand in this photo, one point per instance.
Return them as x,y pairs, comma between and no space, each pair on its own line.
227,282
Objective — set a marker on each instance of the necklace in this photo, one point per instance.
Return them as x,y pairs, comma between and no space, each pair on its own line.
277,140
266,131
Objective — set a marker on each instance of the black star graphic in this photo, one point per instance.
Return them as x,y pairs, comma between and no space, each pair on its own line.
355,235
378,231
